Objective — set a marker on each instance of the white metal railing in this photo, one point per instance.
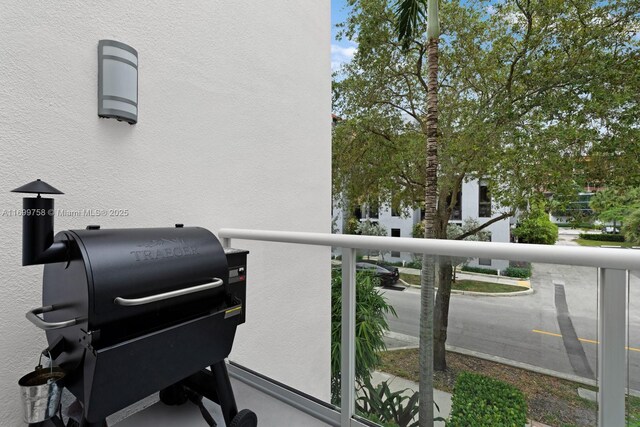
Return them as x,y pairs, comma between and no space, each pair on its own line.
613,265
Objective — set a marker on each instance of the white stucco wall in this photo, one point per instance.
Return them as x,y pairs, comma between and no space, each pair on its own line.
405,222
233,131
500,231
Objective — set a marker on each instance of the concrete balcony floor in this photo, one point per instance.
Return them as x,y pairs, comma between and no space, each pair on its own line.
271,412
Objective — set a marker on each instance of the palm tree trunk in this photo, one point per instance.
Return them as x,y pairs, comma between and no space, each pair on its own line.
429,261
441,315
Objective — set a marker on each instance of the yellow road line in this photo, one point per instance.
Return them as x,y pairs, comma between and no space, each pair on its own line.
537,331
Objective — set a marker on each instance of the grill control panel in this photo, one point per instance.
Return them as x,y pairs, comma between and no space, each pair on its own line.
237,261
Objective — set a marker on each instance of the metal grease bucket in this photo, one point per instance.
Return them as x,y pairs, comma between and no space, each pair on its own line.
41,391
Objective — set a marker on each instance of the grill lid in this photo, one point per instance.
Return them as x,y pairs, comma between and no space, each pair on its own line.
141,270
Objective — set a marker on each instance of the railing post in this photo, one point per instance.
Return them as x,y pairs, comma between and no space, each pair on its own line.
612,366
348,344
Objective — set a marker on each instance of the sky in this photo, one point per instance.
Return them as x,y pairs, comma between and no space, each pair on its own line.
341,51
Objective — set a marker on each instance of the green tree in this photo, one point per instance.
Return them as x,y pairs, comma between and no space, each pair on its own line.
536,227
631,228
615,203
538,96
371,324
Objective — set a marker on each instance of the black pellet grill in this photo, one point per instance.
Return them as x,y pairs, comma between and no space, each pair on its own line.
129,312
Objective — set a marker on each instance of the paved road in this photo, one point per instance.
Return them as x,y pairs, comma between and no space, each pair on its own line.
554,328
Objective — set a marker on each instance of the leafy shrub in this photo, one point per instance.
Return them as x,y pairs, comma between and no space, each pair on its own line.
480,401
388,408
631,227
415,264
371,324
418,230
383,406
370,228
395,263
352,226
469,224
480,270
519,272
603,237
536,227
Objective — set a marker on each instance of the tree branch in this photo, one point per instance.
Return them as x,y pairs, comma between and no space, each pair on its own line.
485,225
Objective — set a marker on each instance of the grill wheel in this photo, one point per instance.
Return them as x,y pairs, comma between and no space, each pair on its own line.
245,418
174,395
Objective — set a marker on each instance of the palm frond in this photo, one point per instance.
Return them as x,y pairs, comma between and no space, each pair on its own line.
407,14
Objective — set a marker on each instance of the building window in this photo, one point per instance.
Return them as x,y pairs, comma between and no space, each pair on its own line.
484,200
395,232
357,212
374,209
456,212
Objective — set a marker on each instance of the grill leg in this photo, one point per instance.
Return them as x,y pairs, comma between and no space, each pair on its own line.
86,423
225,393
52,422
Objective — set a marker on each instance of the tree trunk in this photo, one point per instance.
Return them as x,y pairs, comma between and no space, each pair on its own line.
441,314
428,277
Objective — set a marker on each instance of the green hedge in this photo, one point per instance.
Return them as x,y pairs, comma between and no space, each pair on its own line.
415,264
480,270
518,272
480,401
603,237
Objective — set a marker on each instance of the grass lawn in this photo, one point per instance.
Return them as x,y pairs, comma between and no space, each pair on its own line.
550,400
584,242
468,285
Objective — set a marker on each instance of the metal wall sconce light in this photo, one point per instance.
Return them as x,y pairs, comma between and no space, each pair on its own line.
117,81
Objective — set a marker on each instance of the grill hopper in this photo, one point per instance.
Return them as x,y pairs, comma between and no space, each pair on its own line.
117,353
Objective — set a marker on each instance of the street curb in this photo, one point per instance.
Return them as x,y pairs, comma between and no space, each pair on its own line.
515,281
512,363
483,294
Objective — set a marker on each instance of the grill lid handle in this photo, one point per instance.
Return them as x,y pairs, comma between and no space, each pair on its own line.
167,295
33,317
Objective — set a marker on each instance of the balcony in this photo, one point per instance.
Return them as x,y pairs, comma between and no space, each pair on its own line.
579,326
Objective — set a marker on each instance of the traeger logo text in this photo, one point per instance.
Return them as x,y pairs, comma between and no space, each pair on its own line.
160,249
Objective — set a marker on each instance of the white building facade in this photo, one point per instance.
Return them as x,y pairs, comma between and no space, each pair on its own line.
474,202
210,149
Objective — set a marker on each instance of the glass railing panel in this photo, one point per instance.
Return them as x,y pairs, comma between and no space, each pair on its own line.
287,316
382,397
633,350
528,327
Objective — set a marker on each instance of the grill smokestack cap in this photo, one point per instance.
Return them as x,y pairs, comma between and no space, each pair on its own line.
37,186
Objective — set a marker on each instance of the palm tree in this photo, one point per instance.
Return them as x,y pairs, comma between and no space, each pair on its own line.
408,12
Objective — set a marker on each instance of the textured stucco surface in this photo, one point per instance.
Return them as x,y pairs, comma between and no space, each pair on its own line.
233,131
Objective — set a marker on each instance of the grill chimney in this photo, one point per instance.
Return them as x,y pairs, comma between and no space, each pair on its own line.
38,246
